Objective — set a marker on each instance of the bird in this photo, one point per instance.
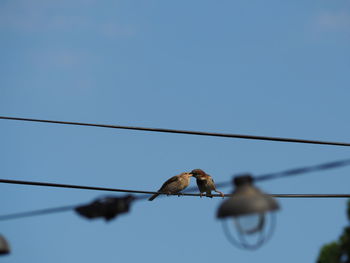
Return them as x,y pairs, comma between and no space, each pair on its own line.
174,185
205,183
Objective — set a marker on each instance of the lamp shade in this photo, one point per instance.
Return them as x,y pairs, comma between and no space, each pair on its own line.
246,199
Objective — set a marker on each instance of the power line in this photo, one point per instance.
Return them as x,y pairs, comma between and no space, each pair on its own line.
37,212
303,170
214,134
149,192
72,207
8,181
290,172
311,195
21,182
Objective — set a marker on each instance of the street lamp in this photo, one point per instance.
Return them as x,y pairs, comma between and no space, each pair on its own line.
248,207
4,246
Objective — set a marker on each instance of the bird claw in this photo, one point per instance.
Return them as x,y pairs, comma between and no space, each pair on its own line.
201,195
220,193
209,195
180,194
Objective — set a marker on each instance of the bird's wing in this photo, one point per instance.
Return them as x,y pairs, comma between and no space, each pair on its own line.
170,180
212,180
201,185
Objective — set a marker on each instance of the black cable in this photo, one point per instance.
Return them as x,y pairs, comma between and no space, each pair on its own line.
289,172
303,170
215,134
8,181
37,212
21,182
311,195
71,207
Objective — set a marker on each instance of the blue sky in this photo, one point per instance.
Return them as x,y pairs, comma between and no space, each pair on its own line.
263,68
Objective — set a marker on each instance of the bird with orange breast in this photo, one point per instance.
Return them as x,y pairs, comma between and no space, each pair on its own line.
205,183
174,185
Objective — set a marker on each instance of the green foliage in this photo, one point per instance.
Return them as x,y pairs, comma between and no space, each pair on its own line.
330,253
337,251
345,244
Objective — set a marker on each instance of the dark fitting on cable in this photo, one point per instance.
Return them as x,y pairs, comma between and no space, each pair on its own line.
4,246
107,207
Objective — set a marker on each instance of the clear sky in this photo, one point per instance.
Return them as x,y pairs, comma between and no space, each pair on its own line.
273,68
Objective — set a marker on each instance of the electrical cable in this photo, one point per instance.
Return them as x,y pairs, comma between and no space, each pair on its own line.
37,212
215,134
290,172
71,207
303,170
8,181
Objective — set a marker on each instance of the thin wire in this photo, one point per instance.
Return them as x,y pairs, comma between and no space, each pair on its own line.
37,212
324,166
263,177
72,207
21,182
7,181
311,195
303,170
227,135
289,172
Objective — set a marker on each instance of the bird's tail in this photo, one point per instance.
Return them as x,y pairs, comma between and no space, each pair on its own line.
153,197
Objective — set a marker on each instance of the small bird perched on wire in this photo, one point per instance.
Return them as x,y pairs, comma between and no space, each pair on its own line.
174,185
205,183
